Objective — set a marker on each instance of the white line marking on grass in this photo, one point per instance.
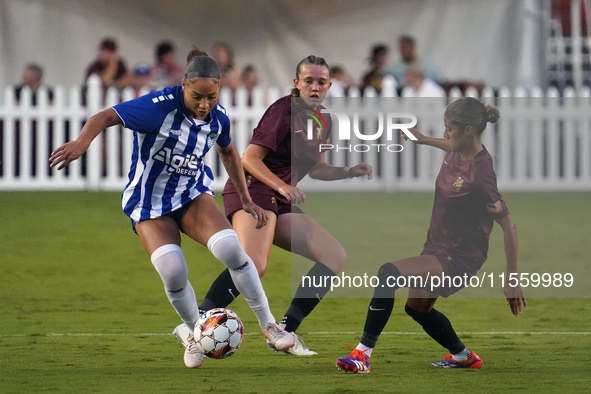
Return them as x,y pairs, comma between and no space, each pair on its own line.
464,333
90,334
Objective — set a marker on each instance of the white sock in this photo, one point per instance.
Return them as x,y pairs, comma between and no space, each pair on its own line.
224,245
463,355
170,263
364,349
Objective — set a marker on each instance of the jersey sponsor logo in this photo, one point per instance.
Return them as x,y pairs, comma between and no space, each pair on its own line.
494,207
458,183
174,131
184,165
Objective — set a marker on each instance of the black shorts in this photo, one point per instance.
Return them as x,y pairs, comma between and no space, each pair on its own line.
176,215
279,206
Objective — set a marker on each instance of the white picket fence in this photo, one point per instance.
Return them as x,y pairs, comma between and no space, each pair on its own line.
541,143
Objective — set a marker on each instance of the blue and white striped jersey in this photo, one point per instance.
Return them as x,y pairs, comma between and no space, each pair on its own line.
167,170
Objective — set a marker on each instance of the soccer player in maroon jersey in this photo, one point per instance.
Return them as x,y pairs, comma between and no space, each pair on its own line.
279,155
467,202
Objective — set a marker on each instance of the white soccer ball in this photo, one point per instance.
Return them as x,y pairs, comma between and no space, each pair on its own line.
219,333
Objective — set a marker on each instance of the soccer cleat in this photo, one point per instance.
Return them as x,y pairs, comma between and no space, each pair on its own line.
356,362
298,349
193,358
279,338
449,362
181,333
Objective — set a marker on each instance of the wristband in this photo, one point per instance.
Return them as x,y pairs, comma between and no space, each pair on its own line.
346,172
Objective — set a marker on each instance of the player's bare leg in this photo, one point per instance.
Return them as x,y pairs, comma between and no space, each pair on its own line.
300,234
256,243
161,240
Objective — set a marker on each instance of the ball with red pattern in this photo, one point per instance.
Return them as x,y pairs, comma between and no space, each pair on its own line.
219,333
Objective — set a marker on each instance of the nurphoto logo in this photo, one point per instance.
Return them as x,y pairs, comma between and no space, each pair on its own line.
390,122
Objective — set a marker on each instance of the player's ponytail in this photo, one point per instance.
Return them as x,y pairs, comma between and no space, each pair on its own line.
311,59
195,52
468,111
200,65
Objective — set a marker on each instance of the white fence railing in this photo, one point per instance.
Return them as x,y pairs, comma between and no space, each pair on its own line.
542,142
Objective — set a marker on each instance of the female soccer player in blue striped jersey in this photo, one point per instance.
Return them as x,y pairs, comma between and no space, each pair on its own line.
467,203
169,190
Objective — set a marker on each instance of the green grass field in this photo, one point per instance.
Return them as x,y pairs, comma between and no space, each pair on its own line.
83,311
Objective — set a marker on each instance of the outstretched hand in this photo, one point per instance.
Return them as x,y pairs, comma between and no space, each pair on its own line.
66,154
361,169
414,131
256,212
515,298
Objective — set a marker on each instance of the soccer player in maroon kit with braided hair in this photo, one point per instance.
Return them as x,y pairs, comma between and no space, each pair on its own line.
278,157
467,202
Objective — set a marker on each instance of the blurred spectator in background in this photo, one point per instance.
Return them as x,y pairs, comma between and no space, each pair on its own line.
408,56
561,10
417,85
109,66
32,77
378,60
224,57
142,76
341,82
166,71
249,79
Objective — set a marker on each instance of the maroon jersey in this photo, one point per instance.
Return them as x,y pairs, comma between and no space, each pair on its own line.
466,204
97,67
291,154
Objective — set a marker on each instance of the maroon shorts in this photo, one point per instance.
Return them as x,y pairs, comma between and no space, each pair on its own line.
279,205
452,266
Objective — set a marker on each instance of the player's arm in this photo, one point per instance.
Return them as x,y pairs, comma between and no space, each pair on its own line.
231,161
325,172
252,160
515,294
72,150
440,143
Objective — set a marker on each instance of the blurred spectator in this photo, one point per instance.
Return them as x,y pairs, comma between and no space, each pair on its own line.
224,57
32,77
378,60
109,66
166,71
561,10
249,79
417,85
408,56
341,82
142,75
